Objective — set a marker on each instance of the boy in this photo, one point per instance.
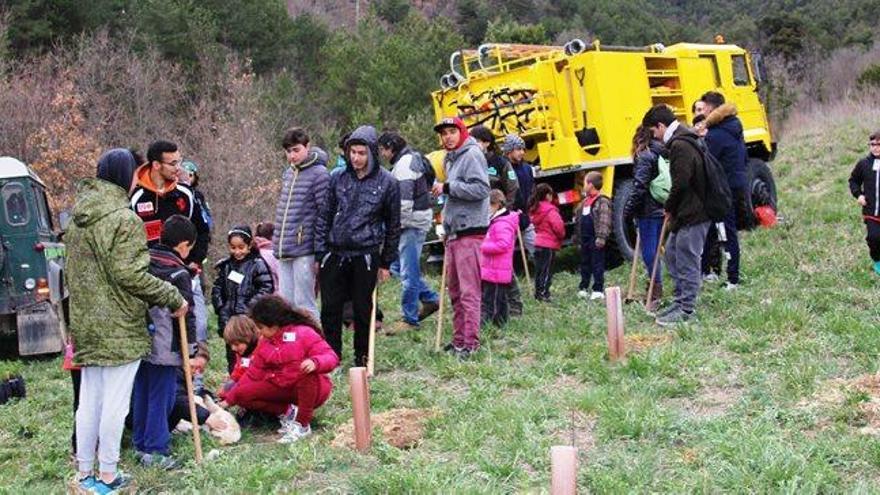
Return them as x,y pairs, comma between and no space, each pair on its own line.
595,227
864,184
155,385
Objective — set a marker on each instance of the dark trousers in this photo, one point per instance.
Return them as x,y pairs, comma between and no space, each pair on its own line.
543,274
345,278
592,264
731,246
494,304
76,378
873,239
153,399
514,298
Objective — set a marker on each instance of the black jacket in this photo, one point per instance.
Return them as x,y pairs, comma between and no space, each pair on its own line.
725,141
685,202
503,177
165,264
238,283
865,179
641,204
360,216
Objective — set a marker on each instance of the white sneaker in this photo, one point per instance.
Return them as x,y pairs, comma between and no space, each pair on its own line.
710,277
288,419
730,286
295,432
583,294
596,295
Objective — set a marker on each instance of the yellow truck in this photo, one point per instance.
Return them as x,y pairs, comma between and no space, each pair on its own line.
578,105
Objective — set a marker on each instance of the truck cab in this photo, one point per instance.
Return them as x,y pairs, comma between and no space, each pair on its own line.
32,290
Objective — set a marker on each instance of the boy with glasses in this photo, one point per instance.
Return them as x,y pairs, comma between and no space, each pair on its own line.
864,184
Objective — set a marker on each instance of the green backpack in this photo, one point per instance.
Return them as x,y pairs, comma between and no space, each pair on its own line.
661,184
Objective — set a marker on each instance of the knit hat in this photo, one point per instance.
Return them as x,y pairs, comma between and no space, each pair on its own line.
117,166
190,167
513,142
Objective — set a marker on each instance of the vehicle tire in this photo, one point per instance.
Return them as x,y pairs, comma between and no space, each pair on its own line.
761,191
623,230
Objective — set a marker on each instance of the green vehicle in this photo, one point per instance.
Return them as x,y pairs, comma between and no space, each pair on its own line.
32,290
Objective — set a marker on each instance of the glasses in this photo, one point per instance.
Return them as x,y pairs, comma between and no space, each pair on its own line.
874,143
175,163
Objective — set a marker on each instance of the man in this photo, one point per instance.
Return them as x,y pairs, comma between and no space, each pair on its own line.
725,140
356,239
110,293
158,195
465,220
514,149
416,218
303,193
687,219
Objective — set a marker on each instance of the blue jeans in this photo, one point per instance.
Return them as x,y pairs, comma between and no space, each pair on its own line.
415,289
649,237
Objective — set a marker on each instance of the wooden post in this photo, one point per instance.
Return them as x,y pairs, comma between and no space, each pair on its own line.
563,470
360,407
439,336
616,346
656,261
187,374
371,348
522,250
632,272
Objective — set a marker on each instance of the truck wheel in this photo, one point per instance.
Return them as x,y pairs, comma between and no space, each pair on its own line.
761,191
623,229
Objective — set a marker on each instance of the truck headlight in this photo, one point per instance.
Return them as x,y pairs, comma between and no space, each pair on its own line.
30,284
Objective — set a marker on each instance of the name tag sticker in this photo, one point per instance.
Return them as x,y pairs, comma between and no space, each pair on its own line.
289,337
144,207
236,277
245,362
586,211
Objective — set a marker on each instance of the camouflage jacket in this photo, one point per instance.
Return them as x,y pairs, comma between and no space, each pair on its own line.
110,287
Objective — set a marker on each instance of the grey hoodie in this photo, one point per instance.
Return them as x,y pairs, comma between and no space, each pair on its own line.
467,187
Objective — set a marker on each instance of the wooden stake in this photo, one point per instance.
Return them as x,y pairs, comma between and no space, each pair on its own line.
656,261
439,336
371,349
360,408
187,373
525,259
616,346
632,272
563,470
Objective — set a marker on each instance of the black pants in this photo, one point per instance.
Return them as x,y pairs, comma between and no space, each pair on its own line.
592,265
494,304
514,298
873,239
345,278
543,275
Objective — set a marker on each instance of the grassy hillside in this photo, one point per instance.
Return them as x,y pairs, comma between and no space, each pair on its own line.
766,393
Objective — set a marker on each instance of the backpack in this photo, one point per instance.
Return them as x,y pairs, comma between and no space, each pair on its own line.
421,165
659,187
427,170
718,199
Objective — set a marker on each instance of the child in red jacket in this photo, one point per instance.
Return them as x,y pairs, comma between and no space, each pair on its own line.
287,375
550,232
242,336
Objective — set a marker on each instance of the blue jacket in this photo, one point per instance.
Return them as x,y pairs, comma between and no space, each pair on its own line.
165,334
525,176
726,143
361,215
303,192
640,203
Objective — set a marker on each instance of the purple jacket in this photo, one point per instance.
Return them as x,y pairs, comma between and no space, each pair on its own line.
496,260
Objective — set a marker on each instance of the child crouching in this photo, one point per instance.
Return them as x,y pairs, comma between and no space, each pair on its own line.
496,262
287,374
242,336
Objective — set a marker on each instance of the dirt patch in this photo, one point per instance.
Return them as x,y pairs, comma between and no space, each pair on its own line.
711,402
402,428
837,391
642,342
577,431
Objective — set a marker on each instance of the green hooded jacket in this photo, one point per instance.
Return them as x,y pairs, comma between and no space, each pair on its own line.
110,288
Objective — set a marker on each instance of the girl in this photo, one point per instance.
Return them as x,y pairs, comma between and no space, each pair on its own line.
289,366
550,232
241,278
496,262
242,336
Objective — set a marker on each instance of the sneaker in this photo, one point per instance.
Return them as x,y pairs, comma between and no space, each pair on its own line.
729,286
160,461
84,485
464,354
674,318
583,294
139,454
668,309
296,432
449,347
121,482
400,327
710,277
288,419
427,309
877,267
596,295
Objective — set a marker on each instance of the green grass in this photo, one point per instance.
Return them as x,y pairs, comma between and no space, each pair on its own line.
719,408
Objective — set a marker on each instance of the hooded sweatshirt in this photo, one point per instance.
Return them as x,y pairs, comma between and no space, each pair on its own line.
466,211
549,228
496,260
303,192
107,276
415,203
154,207
361,216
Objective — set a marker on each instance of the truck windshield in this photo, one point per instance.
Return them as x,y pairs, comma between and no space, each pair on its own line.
15,204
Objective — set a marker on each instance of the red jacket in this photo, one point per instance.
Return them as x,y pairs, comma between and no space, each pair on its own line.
276,360
243,362
549,229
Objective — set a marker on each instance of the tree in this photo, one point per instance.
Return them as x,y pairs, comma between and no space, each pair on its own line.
510,32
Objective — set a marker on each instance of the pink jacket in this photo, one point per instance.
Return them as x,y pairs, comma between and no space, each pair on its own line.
549,229
496,262
265,247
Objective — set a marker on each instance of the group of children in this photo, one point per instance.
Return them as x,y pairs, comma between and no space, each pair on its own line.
497,249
